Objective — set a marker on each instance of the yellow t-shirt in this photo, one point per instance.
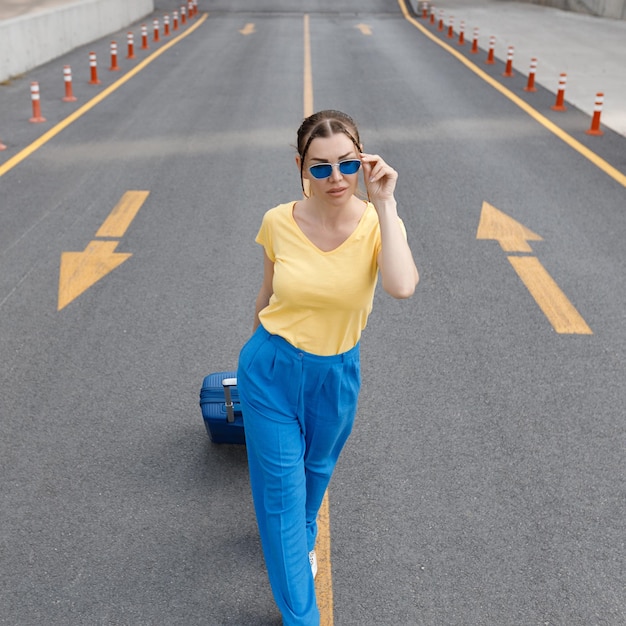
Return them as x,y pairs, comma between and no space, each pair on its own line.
321,300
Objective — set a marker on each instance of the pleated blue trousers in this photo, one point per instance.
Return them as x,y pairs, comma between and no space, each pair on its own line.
298,411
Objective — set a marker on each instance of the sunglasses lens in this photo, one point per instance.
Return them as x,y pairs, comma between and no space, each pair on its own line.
350,167
321,170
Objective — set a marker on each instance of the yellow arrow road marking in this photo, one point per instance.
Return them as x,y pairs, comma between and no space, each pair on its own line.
552,301
248,29
511,235
123,214
364,28
80,270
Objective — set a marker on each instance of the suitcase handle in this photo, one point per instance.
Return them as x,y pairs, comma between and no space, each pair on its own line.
227,383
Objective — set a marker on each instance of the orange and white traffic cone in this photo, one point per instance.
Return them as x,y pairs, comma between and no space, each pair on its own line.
175,20
166,25
474,49
451,27
67,77
93,66
490,54
130,41
461,41
183,15
508,70
597,112
34,96
155,29
560,95
530,85
144,37
114,66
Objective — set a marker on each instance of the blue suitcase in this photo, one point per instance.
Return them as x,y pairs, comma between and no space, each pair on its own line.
221,410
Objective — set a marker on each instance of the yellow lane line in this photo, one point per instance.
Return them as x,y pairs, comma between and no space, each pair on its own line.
55,130
308,74
598,161
308,81
324,579
551,300
122,214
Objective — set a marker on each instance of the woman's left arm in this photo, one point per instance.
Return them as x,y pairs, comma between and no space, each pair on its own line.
398,272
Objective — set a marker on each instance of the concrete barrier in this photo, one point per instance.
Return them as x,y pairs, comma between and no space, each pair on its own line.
33,39
615,9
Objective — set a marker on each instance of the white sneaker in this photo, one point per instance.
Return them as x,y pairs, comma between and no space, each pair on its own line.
313,562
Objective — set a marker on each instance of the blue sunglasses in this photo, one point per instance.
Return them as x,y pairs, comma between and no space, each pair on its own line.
324,170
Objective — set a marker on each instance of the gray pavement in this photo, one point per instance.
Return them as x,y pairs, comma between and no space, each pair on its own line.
483,487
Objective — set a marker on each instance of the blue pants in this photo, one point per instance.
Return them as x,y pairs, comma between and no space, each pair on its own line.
298,411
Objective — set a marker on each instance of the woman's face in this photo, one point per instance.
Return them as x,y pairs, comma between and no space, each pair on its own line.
338,188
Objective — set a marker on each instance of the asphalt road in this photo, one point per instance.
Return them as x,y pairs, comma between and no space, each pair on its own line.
484,481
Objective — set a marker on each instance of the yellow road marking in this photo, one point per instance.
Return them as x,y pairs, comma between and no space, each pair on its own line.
308,74
308,83
598,161
551,300
324,579
55,130
514,237
509,233
364,28
248,29
80,270
122,214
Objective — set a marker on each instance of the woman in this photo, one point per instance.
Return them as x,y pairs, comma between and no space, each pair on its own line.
299,374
